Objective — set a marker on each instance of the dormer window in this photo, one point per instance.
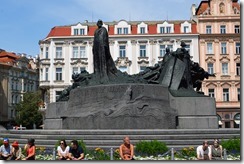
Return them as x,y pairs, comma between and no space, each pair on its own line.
142,28
122,28
165,28
186,27
79,30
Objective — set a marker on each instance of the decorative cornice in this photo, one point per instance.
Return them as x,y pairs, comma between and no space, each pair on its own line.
224,58
210,59
82,61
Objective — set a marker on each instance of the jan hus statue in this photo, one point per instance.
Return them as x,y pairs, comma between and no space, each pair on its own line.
104,67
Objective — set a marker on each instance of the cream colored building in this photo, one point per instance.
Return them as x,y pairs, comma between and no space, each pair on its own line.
134,45
218,24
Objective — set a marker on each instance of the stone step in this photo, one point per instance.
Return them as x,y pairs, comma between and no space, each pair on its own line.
127,131
106,139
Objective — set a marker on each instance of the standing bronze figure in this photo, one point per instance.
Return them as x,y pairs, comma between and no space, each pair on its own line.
104,66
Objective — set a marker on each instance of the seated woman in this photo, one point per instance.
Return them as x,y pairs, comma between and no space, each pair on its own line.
63,150
126,150
30,150
216,150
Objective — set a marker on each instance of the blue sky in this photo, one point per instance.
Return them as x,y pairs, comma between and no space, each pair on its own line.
25,22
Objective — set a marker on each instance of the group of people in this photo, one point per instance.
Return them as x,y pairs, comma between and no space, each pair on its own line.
14,152
210,152
75,152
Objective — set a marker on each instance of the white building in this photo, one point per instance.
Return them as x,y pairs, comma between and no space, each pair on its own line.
134,45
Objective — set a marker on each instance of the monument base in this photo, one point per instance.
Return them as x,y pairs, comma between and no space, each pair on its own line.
130,106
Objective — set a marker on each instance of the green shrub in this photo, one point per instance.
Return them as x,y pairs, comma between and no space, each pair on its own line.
99,154
1,142
232,145
148,148
188,152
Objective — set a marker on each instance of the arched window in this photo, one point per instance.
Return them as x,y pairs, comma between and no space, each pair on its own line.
237,120
221,8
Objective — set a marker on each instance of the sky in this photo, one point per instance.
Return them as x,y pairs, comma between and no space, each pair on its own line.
24,22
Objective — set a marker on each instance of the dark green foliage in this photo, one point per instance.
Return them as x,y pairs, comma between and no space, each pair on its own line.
28,110
149,148
99,154
232,145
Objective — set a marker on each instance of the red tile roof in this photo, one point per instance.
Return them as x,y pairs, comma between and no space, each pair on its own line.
152,28
60,31
8,57
202,7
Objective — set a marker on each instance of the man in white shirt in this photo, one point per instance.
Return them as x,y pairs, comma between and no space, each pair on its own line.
204,151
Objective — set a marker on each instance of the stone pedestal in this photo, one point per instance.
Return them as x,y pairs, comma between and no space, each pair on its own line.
130,106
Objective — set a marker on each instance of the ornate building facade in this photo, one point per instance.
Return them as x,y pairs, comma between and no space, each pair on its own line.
18,75
134,46
218,23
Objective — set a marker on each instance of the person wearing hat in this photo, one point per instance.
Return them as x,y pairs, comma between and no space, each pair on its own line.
5,150
16,151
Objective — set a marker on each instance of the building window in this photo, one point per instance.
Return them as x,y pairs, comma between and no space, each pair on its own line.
57,94
41,74
58,74
16,99
237,29
83,52
222,29
225,94
168,29
209,48
142,30
142,68
237,118
142,50
82,69
186,29
238,94
208,29
223,48
162,30
75,52
227,124
119,30
224,68
47,52
125,30
75,70
41,53
210,68
59,52
47,70
122,51
211,93
123,68
238,48
162,50
238,69
82,31
76,31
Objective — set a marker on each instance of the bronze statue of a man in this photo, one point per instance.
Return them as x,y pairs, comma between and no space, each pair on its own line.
104,66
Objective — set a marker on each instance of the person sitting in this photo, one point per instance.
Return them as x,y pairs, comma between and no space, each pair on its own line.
204,151
126,150
16,151
216,150
63,150
75,152
30,150
5,150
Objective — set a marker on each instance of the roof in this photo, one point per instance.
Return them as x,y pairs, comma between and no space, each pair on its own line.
66,29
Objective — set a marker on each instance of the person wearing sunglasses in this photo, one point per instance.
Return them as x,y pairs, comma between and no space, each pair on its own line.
63,150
